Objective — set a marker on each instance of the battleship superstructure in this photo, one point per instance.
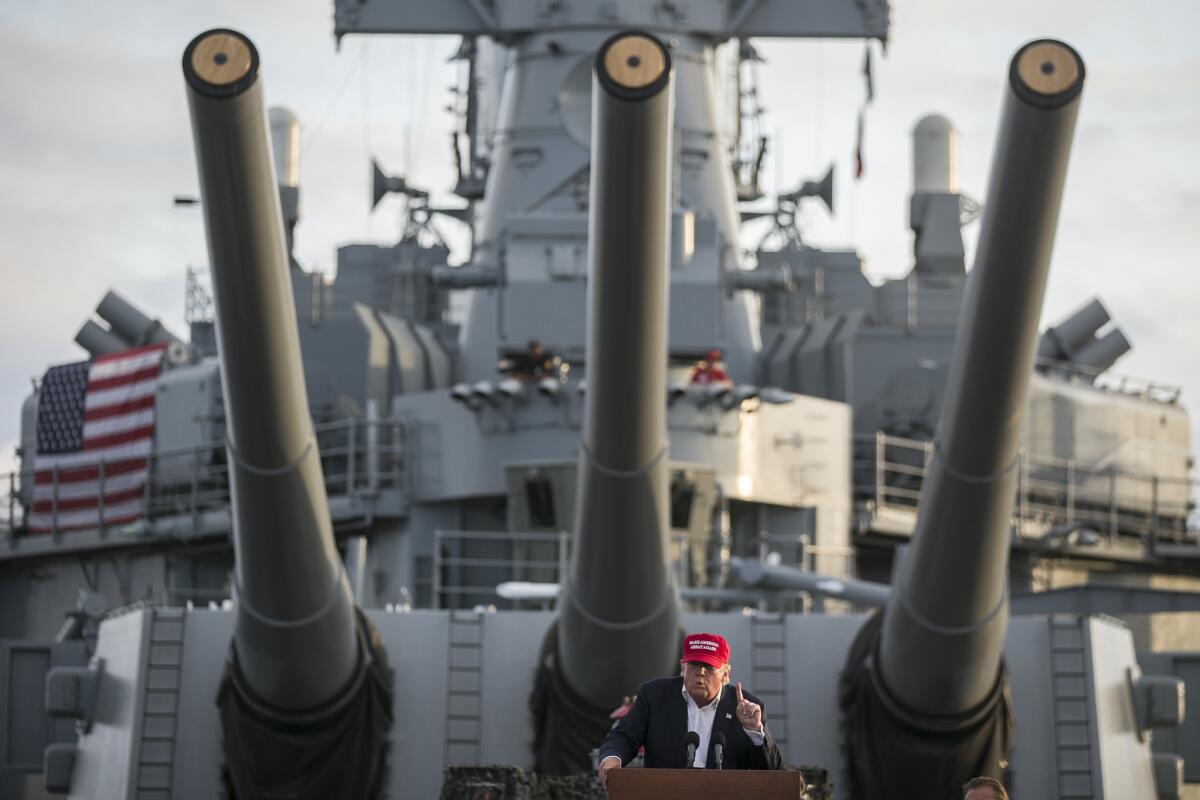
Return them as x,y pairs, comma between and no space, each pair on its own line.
786,489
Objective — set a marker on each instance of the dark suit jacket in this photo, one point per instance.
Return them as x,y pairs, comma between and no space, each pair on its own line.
658,720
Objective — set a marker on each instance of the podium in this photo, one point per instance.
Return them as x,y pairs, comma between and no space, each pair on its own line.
711,784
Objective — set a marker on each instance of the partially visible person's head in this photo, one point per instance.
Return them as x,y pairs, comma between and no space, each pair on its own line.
534,346
704,665
984,789
713,356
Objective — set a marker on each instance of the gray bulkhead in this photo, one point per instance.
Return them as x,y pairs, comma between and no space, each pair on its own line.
1075,712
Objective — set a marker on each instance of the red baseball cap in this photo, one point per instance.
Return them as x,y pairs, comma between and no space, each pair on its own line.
710,648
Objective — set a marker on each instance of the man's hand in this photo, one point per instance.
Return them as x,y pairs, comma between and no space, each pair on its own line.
608,763
749,714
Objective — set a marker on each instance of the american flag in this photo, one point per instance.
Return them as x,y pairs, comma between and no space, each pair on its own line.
95,433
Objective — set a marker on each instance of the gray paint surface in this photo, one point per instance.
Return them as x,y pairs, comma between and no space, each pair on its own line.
511,643
1125,764
816,652
206,646
106,762
1028,660
418,643
418,647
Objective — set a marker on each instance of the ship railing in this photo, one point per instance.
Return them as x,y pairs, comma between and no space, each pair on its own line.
1142,388
12,512
360,458
1056,499
465,567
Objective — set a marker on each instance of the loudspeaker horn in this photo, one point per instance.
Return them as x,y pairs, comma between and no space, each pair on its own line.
822,189
382,184
379,184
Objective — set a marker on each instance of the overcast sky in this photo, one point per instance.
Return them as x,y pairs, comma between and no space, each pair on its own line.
94,143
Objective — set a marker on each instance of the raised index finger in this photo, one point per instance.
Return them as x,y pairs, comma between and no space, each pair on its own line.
739,693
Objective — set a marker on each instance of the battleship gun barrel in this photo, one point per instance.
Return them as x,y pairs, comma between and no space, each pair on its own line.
944,626
293,598
619,611
925,690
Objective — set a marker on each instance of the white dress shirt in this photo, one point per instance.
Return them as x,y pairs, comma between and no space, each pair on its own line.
701,721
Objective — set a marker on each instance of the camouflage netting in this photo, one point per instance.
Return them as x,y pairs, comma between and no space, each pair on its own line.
337,751
566,728
499,782
895,753
818,783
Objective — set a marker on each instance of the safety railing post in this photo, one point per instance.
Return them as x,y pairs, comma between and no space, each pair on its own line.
1153,514
400,456
351,453
435,598
54,502
100,498
147,493
371,439
1022,486
195,463
1112,507
564,542
880,448
1070,491
927,457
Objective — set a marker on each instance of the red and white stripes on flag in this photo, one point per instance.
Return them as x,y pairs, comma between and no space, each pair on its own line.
95,433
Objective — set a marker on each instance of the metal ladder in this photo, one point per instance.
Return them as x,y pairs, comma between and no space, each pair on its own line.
160,706
463,688
768,671
1072,721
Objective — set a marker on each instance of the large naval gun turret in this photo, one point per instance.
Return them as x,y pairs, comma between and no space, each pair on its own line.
646,502
618,611
926,692
307,683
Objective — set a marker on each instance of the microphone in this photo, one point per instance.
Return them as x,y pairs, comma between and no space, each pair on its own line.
693,741
718,747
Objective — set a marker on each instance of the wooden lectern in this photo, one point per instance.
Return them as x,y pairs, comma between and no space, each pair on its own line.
711,784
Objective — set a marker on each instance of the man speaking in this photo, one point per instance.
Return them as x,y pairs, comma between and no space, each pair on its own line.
729,724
